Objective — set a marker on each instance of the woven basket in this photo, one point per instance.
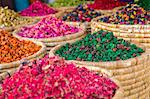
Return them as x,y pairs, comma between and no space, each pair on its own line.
136,35
97,26
132,74
58,40
61,9
69,9
49,46
9,71
17,63
120,28
12,28
106,12
118,94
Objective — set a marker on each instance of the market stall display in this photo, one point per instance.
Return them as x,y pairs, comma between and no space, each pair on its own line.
118,58
130,23
130,15
52,31
14,51
79,14
37,79
75,49
37,9
97,47
11,20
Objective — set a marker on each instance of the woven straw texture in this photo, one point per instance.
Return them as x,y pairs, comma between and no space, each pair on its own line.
132,33
131,75
144,29
106,12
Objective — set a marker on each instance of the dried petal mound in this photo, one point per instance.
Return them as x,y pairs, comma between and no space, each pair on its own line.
48,27
9,18
81,14
99,46
131,14
53,78
37,9
13,49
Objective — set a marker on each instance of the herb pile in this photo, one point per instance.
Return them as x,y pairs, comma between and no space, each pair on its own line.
100,46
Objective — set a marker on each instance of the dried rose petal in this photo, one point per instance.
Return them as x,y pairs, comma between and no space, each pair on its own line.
60,80
48,27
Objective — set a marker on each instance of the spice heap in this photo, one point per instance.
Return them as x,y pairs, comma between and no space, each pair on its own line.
100,46
131,14
60,80
37,9
106,4
10,18
12,49
81,14
48,27
65,3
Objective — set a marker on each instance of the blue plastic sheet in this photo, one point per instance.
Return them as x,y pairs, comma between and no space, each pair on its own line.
127,0
21,4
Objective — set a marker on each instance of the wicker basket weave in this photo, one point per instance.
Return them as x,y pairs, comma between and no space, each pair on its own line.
142,29
132,33
132,74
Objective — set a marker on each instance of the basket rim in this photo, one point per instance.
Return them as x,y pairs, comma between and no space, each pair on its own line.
10,28
126,63
117,25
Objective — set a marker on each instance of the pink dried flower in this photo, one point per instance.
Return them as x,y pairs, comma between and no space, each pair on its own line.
48,27
37,9
60,80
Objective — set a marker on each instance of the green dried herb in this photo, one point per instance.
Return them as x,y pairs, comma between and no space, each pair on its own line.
100,46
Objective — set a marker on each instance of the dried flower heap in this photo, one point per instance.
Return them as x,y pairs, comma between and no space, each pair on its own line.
37,80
